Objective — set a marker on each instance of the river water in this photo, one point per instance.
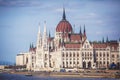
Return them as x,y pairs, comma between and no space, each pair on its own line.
6,76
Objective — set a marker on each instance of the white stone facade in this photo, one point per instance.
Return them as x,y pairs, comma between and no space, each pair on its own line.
68,50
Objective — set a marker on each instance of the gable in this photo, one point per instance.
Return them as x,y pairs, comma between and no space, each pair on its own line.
86,44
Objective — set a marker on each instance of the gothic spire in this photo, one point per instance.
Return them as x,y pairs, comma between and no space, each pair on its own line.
80,31
45,27
64,16
103,40
107,39
30,46
39,28
84,29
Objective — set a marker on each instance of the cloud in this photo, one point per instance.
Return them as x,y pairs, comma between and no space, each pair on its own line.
19,3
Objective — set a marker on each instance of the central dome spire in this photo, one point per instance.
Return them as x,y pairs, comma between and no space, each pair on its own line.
64,16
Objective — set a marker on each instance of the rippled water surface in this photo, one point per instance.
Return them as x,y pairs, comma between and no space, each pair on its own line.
5,76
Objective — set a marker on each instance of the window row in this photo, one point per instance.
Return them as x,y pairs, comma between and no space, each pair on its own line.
70,54
86,53
102,54
100,62
70,62
70,58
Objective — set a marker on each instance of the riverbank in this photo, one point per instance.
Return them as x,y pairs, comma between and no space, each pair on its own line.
68,74
7,76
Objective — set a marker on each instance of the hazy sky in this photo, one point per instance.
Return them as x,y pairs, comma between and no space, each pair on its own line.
19,21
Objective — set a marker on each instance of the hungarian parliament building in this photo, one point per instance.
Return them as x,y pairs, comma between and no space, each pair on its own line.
69,50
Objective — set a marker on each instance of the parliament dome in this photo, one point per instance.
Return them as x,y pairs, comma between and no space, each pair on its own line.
64,25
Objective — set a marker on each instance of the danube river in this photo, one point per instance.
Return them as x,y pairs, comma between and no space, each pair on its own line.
6,76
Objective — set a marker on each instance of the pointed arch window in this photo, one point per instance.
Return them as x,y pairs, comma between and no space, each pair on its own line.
73,54
66,54
77,54
70,54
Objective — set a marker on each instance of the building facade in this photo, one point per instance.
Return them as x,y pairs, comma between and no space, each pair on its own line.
69,50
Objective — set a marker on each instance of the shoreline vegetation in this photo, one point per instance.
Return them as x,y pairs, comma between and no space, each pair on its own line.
85,74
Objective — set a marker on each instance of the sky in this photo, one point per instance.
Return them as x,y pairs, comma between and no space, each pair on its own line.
19,21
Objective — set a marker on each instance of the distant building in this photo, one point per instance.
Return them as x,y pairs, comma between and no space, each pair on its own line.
2,67
69,50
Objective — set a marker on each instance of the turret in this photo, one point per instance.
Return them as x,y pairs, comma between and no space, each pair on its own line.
45,30
45,37
39,38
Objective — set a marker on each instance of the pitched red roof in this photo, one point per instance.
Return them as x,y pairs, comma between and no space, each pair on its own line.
113,44
33,49
72,45
75,37
99,45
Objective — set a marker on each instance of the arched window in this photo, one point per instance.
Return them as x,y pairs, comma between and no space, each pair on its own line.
107,62
82,54
113,56
100,54
73,54
104,54
70,54
96,54
117,56
104,62
107,54
66,62
66,54
87,46
70,62
77,54
63,54
74,62
90,54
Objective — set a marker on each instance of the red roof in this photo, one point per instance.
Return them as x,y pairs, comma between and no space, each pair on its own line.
75,37
114,45
99,45
72,45
64,25
33,49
